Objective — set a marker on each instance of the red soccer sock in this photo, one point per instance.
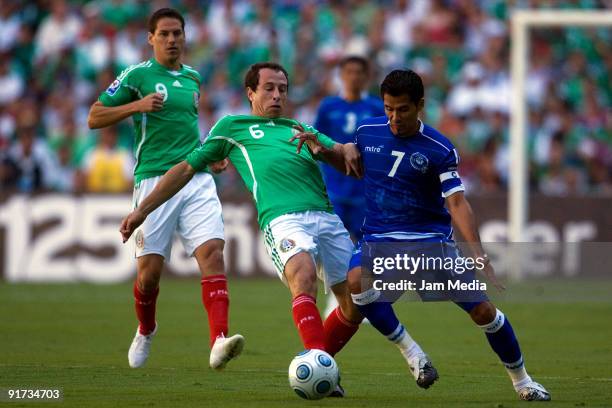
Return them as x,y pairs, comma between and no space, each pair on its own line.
145,309
216,303
308,322
338,331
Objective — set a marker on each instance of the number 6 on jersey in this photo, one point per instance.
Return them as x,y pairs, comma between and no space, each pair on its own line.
256,133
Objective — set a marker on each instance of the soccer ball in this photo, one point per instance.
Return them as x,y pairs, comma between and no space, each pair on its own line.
313,374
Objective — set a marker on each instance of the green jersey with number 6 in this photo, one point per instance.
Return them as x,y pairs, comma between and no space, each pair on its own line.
164,137
281,180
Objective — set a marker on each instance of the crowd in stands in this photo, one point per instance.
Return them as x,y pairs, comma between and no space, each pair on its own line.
56,56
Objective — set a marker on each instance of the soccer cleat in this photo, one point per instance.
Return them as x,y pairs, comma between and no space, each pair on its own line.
225,349
534,392
338,392
139,350
423,371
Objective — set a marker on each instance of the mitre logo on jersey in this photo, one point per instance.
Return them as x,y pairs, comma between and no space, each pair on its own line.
286,245
419,162
374,149
112,89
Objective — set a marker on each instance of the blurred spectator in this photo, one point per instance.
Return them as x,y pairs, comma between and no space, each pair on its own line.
486,179
56,56
57,32
93,49
11,84
600,177
563,174
128,45
439,26
108,168
10,24
401,19
67,179
32,162
469,94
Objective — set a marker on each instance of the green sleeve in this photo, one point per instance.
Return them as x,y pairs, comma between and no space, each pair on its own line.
216,146
121,91
325,140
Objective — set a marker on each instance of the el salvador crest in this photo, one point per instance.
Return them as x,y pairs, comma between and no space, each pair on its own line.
419,162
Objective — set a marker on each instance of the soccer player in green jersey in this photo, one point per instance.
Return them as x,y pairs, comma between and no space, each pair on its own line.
300,228
161,95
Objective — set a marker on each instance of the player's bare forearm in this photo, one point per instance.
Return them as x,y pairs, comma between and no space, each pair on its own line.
344,157
170,184
102,116
334,157
465,222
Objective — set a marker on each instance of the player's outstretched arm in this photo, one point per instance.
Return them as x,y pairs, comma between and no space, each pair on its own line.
170,184
465,222
102,116
343,157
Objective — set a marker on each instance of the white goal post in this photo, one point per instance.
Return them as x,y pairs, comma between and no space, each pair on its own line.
521,22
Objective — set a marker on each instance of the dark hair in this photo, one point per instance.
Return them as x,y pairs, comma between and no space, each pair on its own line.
164,12
356,59
251,79
403,82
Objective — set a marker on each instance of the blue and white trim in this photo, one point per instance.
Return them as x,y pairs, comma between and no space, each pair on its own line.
496,324
409,236
398,334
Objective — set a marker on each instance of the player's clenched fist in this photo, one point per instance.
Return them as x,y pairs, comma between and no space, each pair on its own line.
151,102
130,223
218,167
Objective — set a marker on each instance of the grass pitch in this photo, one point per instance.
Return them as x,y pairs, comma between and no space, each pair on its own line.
76,337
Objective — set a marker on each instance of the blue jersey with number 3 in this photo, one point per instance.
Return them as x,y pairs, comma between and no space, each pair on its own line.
406,181
338,119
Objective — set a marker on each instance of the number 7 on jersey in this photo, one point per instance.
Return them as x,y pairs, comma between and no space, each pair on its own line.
399,156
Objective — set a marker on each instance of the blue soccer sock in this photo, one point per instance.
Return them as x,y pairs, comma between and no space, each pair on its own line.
382,316
503,341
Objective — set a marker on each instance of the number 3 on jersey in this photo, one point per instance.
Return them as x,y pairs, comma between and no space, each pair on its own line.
398,159
351,122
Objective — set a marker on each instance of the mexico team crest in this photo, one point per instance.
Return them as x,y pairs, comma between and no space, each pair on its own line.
139,239
419,162
286,245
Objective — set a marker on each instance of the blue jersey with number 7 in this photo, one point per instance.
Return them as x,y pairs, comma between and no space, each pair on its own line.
406,182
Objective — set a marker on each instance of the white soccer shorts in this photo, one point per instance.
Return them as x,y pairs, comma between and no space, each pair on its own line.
319,233
194,213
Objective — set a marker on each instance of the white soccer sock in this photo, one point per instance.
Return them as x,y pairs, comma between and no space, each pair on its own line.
406,344
518,374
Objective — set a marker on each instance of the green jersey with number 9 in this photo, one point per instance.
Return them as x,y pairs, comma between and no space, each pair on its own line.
281,180
163,138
